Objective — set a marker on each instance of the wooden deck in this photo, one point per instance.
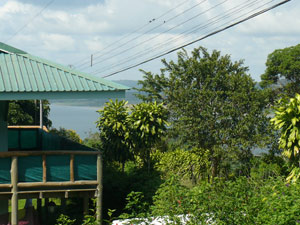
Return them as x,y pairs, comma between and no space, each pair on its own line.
63,189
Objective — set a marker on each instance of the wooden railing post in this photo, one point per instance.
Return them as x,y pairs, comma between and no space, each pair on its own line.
14,198
44,169
72,178
99,188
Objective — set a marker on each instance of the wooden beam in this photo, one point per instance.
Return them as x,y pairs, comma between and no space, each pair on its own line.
99,188
14,198
56,184
5,185
36,153
72,178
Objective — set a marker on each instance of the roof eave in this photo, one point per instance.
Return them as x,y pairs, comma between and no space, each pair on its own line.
6,96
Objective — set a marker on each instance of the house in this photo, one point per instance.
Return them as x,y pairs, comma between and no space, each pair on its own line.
29,167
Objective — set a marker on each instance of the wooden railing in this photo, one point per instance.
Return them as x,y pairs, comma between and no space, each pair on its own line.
15,184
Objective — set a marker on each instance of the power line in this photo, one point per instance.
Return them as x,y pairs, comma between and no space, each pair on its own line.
38,14
133,32
213,20
146,32
149,39
202,38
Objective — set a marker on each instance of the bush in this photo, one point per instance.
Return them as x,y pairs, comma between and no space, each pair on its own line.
242,201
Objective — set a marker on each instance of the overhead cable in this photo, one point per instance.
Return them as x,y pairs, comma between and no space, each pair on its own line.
30,21
220,17
140,35
202,38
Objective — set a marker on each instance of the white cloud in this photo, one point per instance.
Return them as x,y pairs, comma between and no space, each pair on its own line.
70,34
57,42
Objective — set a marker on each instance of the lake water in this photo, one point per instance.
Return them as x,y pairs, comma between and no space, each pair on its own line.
81,115
79,118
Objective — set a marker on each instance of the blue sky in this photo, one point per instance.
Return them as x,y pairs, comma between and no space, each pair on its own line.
68,32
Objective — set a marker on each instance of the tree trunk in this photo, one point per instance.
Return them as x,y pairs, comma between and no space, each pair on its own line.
215,167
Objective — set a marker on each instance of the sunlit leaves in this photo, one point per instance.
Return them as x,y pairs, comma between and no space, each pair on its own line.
286,120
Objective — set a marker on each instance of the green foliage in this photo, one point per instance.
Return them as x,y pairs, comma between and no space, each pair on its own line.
191,165
125,133
27,112
282,72
287,120
64,220
148,124
136,206
213,103
67,133
91,217
114,125
93,141
242,201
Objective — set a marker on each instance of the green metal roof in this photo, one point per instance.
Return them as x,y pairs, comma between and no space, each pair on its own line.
24,76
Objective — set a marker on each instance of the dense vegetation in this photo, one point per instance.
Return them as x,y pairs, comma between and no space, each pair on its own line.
202,166
187,151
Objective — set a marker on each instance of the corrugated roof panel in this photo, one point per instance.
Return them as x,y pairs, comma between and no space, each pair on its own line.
77,82
44,77
23,75
71,81
91,85
37,75
2,87
17,69
59,83
98,86
51,79
64,80
104,87
84,83
4,73
30,73
11,74
23,72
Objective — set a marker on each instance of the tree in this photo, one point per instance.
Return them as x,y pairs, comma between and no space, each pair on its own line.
125,133
67,133
26,112
148,125
287,120
283,71
113,124
213,103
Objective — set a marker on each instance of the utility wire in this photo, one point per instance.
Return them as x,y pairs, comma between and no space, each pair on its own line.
233,11
85,61
146,32
38,14
202,38
150,39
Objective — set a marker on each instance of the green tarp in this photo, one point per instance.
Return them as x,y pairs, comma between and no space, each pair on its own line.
58,166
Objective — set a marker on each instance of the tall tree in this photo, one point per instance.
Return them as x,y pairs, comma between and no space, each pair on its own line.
148,125
114,131
283,71
214,103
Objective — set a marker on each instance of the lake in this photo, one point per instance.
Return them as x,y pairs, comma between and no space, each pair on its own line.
79,118
80,114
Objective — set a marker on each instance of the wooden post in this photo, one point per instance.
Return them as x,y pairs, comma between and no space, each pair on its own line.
14,198
99,188
72,178
41,114
44,169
